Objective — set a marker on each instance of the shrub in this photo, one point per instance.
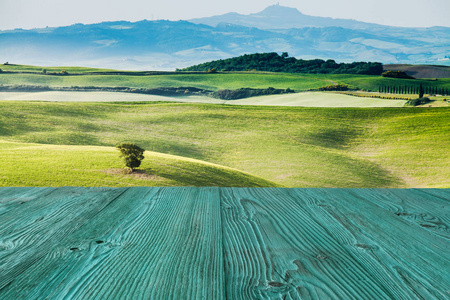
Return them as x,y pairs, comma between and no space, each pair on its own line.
396,74
132,155
1,71
418,101
64,72
334,87
247,93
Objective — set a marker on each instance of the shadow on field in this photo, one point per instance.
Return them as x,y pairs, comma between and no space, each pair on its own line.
336,138
172,148
71,138
374,176
191,175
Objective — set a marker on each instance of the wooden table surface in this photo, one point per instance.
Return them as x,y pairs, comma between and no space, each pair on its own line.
224,243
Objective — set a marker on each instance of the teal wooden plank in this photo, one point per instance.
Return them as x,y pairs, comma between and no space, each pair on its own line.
414,261
299,244
427,208
12,198
147,243
33,231
216,243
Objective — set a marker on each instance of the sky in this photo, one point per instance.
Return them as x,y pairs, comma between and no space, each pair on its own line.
41,13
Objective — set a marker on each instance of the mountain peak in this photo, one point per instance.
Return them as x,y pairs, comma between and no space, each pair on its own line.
278,10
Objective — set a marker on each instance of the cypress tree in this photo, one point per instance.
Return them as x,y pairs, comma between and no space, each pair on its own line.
420,91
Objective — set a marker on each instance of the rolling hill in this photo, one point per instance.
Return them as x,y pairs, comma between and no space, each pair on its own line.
31,164
290,146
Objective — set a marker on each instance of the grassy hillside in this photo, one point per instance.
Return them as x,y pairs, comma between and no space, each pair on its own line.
296,147
25,164
204,81
38,69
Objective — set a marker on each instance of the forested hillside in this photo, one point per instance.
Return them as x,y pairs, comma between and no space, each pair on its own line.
273,62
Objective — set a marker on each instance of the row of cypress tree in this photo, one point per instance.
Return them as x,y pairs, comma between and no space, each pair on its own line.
412,89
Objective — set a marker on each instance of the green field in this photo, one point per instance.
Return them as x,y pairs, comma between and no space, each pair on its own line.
26,164
306,99
39,69
289,146
227,80
318,99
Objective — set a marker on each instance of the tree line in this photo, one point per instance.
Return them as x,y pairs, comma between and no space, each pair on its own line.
273,62
409,89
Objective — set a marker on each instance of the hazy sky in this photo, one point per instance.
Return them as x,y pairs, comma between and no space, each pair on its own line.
41,13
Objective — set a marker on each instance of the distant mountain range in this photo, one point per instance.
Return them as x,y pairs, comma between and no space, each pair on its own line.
280,17
166,45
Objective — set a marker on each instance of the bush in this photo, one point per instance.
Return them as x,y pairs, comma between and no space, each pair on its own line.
396,74
64,72
1,71
132,155
247,93
334,87
418,101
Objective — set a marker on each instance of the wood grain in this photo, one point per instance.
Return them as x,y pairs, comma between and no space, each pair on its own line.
136,243
224,243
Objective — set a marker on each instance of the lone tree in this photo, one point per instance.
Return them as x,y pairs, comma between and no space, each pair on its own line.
132,155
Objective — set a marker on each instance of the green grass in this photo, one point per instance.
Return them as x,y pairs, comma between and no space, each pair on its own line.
371,83
38,69
204,81
296,147
298,82
25,164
